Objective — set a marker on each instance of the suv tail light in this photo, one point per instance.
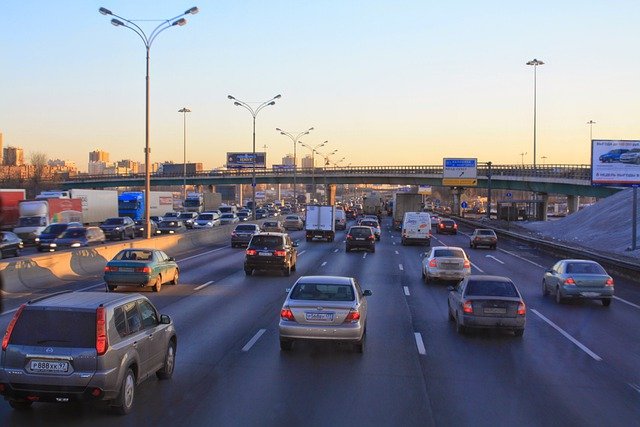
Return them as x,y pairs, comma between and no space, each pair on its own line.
569,281
286,314
441,225
251,252
102,343
433,263
467,307
349,237
12,324
522,308
609,282
372,237
280,253
353,316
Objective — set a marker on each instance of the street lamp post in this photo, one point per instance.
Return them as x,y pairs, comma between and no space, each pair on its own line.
313,161
148,40
535,63
522,157
295,164
324,172
591,123
254,113
184,111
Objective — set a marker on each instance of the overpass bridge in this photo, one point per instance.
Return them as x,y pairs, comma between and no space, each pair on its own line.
570,180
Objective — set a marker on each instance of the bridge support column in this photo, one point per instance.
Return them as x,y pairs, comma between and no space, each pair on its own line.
278,192
240,196
456,192
542,208
573,202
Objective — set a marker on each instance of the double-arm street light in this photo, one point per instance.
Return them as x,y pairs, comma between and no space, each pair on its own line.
295,162
324,172
314,150
119,21
591,123
254,113
184,111
535,63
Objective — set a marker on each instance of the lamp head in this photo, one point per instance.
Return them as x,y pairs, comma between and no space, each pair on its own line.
230,97
192,11
237,103
277,96
117,23
279,130
180,22
105,11
272,103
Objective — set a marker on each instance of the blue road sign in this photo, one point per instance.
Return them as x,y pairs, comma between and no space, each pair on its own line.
464,205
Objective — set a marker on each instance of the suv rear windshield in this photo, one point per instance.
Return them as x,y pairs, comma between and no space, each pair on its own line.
360,232
491,289
55,328
266,241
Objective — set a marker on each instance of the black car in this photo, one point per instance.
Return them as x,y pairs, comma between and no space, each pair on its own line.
271,251
360,237
171,227
46,238
75,237
262,213
10,244
447,226
140,227
119,228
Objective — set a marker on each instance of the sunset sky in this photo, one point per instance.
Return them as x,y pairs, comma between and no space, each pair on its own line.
385,82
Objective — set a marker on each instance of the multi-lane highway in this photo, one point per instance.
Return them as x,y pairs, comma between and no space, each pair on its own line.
577,363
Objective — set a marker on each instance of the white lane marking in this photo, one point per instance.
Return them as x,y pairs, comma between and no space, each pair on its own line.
9,311
323,264
477,268
400,267
393,243
406,291
301,252
253,340
494,258
204,285
420,343
523,259
397,253
364,255
336,250
101,284
626,302
569,337
636,387
203,253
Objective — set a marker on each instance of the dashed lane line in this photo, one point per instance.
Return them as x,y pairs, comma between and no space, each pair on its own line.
406,291
494,258
253,340
567,336
336,250
397,253
420,344
323,264
522,258
477,268
204,285
401,267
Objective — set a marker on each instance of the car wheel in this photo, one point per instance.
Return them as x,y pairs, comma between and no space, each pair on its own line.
286,345
111,288
125,400
494,247
606,302
559,298
427,279
460,328
373,250
158,284
293,267
286,271
518,332
169,363
20,405
359,345
248,271
451,318
545,291
176,277
16,253
422,271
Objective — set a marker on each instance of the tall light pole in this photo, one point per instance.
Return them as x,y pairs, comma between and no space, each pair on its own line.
148,40
295,162
591,123
254,113
313,161
184,111
535,63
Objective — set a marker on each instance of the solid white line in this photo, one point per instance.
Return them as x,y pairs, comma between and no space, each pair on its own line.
494,258
400,267
301,252
336,250
323,264
477,268
522,258
9,311
406,291
419,343
253,340
626,302
569,337
197,288
101,284
203,253
397,253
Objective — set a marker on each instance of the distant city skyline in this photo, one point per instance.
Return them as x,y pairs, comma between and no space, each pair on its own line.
384,82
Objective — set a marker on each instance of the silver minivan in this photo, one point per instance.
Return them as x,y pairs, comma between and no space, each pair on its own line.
85,346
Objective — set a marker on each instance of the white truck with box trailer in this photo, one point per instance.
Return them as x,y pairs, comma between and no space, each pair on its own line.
320,222
97,205
405,202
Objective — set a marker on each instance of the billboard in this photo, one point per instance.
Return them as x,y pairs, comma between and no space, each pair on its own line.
245,160
460,172
615,162
283,168
424,189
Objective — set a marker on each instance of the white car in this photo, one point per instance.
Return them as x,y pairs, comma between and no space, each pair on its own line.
445,263
207,220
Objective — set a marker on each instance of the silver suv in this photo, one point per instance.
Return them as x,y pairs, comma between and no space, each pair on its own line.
85,346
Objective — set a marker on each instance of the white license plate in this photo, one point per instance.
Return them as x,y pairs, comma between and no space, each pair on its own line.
319,317
590,294
125,269
49,366
359,238
265,254
495,310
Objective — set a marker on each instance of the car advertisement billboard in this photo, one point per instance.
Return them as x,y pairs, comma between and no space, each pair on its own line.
615,162
245,160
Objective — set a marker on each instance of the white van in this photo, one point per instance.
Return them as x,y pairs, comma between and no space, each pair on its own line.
341,219
416,228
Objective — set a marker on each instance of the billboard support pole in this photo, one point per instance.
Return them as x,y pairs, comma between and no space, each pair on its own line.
634,220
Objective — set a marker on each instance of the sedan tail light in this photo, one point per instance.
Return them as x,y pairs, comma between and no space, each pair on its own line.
372,237
609,282
12,324
110,268
569,281
353,316
522,308
143,270
467,307
251,251
466,264
286,314
433,263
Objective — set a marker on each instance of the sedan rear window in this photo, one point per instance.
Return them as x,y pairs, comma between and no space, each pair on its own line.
585,268
322,292
247,227
369,223
55,328
485,232
448,252
113,221
490,288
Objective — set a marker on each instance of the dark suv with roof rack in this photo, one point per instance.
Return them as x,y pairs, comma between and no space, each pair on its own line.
85,346
271,251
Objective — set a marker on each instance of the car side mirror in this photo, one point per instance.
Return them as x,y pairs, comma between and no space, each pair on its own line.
451,288
294,244
165,319
366,293
171,258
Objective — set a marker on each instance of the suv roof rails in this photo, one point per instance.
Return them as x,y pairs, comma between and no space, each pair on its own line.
31,301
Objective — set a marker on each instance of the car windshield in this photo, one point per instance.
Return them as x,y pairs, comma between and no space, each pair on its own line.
270,224
227,215
133,255
269,242
205,217
185,215
74,233
584,268
456,253
291,218
322,292
55,229
113,221
491,288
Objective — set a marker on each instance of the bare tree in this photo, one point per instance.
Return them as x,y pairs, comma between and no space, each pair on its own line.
38,161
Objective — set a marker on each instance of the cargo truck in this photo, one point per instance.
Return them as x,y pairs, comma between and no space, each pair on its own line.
131,203
320,222
9,200
372,204
97,205
194,202
212,201
405,202
36,215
